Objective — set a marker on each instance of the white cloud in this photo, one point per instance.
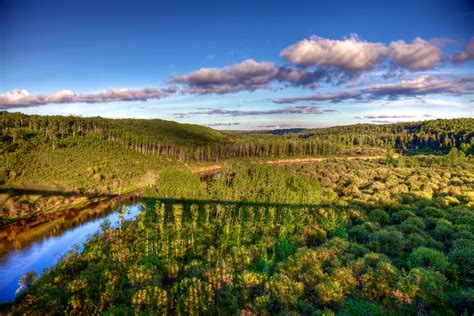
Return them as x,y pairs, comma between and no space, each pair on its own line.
422,85
417,55
22,98
350,56
467,54
247,75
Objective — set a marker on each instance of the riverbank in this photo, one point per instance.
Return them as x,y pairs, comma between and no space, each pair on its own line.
53,204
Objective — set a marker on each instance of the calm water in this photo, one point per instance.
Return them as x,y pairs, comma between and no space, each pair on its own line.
43,248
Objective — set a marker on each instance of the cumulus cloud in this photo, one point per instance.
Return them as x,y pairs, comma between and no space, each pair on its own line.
412,87
467,54
422,85
247,75
353,56
417,55
22,98
288,110
332,97
300,77
350,56
316,60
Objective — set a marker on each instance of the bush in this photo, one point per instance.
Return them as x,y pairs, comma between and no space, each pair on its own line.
463,300
260,183
428,258
283,249
433,212
376,275
389,242
421,288
412,225
444,233
379,216
358,306
177,183
400,216
359,233
462,254
415,240
285,291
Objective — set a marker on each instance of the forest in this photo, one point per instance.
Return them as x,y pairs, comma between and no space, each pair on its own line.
381,224
189,142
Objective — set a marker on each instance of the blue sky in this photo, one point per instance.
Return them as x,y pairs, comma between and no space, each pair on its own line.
239,64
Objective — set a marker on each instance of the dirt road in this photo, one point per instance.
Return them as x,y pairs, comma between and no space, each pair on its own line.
216,168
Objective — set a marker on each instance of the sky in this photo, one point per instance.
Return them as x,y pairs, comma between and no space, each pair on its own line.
239,64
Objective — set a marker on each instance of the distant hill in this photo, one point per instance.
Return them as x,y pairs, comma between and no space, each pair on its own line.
155,130
200,143
434,136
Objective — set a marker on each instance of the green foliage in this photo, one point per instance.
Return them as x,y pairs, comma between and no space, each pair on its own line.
389,242
86,167
333,223
256,239
454,157
422,289
427,258
463,300
284,291
283,249
436,136
260,183
361,307
360,233
462,254
412,225
178,183
198,143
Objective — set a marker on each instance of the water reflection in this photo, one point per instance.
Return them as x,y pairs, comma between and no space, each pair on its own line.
34,246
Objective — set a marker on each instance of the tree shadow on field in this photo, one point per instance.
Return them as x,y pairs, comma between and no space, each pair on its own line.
49,193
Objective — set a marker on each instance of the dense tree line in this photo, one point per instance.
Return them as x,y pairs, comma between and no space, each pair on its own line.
189,142
435,136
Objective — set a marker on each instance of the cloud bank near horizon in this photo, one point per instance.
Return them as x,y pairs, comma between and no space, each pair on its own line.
19,98
289,110
419,86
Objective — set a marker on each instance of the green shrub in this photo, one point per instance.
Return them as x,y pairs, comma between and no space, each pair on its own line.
463,300
427,258
177,183
412,225
462,254
358,306
389,242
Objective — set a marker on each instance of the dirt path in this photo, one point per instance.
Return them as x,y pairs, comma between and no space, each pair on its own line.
216,168
309,160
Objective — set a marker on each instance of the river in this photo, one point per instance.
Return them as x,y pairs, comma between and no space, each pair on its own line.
38,246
